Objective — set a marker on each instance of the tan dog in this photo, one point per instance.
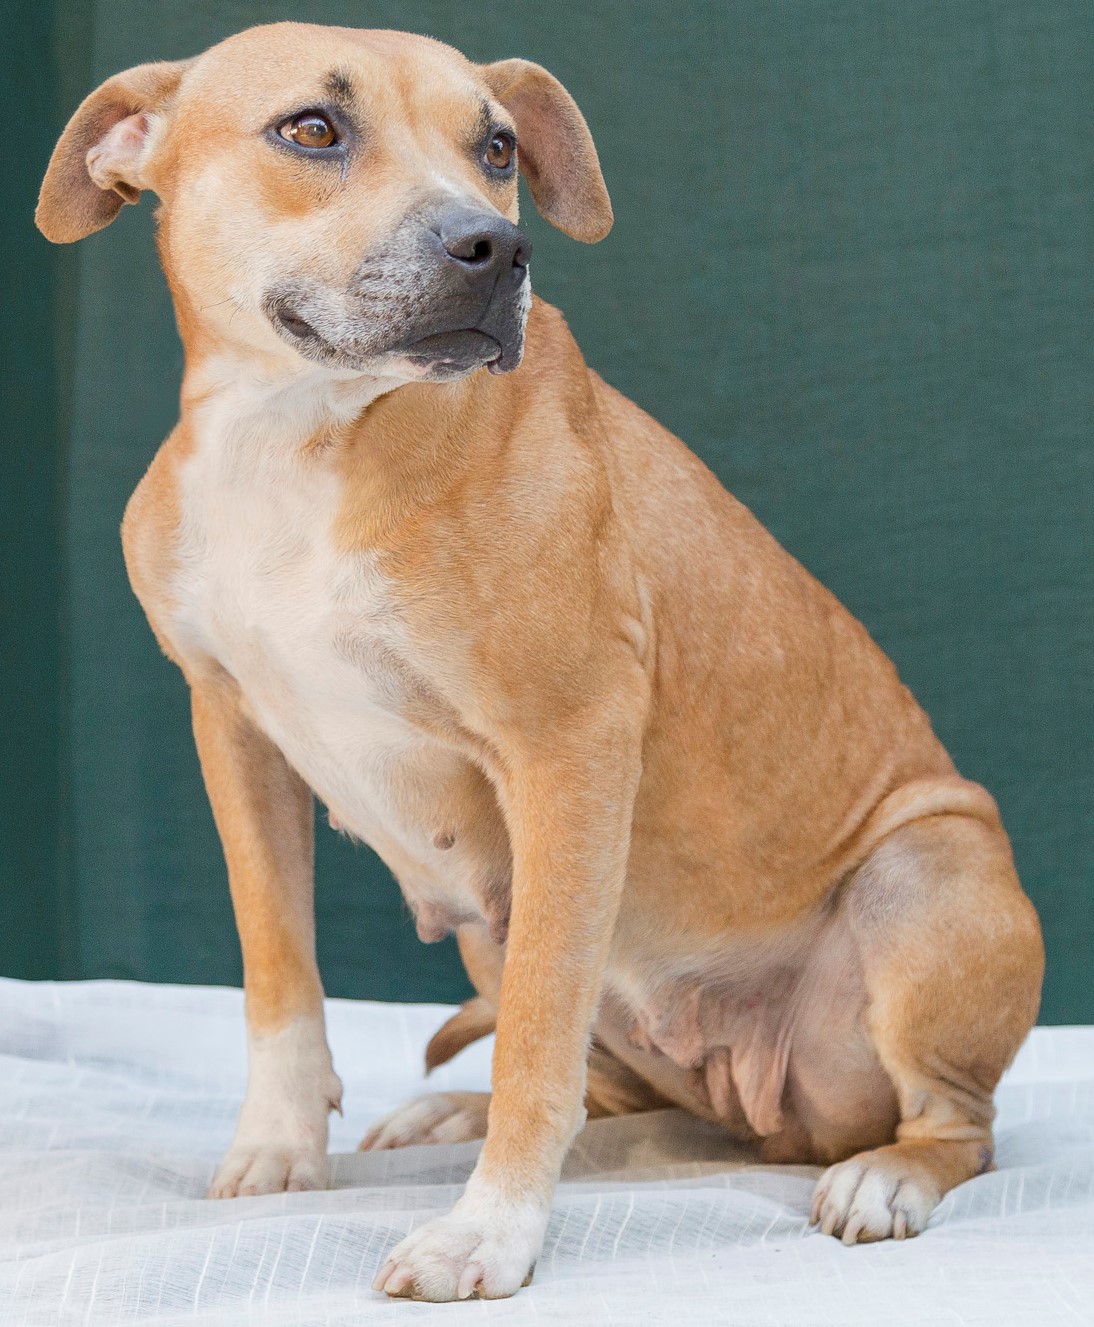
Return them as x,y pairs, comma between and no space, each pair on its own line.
519,639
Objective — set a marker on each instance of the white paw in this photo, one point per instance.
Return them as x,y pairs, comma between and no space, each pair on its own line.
268,1169
871,1197
482,1247
281,1140
441,1117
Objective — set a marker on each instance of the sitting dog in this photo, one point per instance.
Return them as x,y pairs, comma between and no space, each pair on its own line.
698,843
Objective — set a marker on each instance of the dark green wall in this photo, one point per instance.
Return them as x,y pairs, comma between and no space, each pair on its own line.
852,268
31,485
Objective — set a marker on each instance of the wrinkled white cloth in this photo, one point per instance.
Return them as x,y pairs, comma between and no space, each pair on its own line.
117,1099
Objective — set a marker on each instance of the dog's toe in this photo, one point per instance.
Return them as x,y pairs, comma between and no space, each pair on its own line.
481,1251
248,1171
870,1197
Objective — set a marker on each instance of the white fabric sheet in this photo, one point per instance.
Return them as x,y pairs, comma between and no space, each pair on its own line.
117,1099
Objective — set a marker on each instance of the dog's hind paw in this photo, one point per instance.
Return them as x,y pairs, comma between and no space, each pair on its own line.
440,1117
873,1196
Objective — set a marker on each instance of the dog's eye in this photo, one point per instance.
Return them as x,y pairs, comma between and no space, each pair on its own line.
309,129
500,149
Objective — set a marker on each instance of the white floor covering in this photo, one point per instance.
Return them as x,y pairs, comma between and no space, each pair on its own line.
116,1100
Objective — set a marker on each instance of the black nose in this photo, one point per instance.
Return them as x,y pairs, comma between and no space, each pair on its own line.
484,244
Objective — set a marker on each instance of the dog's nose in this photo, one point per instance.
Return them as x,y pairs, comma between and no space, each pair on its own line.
485,245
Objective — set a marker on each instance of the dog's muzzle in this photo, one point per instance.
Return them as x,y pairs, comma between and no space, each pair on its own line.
478,301
448,291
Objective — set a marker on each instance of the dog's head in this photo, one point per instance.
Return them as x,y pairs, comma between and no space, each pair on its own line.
346,196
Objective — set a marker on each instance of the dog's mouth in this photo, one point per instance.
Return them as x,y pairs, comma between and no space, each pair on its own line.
294,324
301,332
458,351
439,355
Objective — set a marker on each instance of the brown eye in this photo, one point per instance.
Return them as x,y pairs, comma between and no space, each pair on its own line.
309,129
499,151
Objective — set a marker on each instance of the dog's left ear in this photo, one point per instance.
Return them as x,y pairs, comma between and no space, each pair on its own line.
99,162
554,149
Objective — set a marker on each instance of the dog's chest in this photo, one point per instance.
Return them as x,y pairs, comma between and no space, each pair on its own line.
311,633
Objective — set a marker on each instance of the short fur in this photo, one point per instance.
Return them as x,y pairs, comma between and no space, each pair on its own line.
516,636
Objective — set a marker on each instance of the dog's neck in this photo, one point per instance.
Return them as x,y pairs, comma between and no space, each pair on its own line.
396,447
286,408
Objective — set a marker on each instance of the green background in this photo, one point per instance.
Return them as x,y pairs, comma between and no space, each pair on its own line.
852,267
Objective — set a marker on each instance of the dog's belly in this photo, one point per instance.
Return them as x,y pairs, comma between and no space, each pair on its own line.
765,1035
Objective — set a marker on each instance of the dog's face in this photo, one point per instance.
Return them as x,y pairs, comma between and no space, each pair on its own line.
345,196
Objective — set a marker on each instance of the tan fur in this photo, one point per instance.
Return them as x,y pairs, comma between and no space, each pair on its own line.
663,784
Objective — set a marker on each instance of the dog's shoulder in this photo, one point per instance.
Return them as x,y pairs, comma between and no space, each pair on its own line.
149,533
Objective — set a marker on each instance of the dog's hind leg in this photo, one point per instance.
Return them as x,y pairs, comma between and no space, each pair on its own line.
459,1117
613,1088
450,1117
952,962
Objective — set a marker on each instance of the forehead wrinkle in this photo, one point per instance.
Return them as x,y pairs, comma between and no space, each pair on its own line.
338,85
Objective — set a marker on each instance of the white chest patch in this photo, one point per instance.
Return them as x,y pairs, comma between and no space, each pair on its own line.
311,633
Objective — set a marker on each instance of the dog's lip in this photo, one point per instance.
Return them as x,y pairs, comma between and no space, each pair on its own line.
458,349
462,344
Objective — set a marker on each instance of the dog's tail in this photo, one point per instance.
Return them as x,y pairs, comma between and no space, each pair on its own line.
469,1023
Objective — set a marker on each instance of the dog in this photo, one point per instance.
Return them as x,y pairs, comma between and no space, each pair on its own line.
699,845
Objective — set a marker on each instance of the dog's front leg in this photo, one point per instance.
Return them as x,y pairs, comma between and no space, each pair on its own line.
569,814
265,818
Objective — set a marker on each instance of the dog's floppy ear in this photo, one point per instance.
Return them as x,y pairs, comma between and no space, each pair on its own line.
98,162
554,148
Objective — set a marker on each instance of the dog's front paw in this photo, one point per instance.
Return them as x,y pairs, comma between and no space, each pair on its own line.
483,1247
247,1171
441,1117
